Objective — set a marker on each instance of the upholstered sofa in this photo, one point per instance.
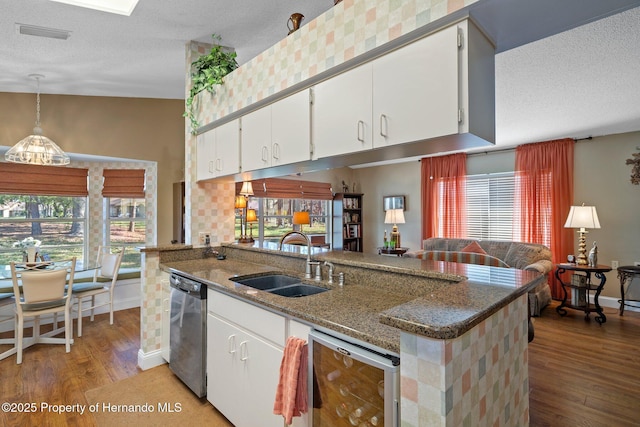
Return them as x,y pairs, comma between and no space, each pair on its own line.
524,256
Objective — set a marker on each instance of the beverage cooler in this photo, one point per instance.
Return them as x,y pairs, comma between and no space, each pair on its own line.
351,384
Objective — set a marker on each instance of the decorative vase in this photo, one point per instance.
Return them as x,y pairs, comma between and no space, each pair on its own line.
295,20
31,254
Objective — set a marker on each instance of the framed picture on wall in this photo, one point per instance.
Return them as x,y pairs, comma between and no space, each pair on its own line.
393,202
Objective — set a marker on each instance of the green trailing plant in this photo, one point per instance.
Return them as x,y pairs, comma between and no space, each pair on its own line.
207,72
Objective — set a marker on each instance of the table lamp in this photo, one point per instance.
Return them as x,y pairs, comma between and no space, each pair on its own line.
247,189
241,203
301,218
582,217
394,216
251,218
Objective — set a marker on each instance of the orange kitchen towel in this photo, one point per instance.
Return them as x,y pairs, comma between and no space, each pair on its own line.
291,394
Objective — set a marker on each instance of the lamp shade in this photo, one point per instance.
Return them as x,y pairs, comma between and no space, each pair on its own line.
251,215
37,149
582,217
247,189
301,218
394,216
241,202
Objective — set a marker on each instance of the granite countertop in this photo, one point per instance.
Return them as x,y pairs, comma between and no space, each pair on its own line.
436,299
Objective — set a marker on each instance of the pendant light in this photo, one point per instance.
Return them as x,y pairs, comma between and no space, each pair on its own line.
37,149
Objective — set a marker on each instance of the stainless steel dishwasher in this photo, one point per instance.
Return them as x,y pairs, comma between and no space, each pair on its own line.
188,332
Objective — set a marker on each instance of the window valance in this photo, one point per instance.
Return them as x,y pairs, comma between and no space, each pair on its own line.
128,183
280,188
43,180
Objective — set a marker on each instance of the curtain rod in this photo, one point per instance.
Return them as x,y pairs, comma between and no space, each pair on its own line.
477,153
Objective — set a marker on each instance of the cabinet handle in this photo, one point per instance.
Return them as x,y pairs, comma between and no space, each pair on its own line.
360,131
276,150
218,164
265,153
231,344
166,304
210,166
244,352
383,125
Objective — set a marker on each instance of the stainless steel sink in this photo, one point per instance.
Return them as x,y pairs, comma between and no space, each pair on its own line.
266,282
279,284
297,290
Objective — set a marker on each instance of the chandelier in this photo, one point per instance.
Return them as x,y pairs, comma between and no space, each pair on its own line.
37,149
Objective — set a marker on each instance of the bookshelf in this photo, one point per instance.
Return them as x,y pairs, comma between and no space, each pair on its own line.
347,221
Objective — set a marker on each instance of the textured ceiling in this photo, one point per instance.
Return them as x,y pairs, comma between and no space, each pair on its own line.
138,56
583,82
550,82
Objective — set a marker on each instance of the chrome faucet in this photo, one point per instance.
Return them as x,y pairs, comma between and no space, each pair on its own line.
331,267
307,270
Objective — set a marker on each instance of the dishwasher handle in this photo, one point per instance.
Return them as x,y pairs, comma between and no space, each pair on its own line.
188,286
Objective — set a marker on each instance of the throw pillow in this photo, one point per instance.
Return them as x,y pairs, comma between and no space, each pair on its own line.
474,247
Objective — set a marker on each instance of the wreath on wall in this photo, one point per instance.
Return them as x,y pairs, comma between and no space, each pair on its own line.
635,171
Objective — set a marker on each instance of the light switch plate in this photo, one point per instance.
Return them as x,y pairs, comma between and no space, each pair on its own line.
203,236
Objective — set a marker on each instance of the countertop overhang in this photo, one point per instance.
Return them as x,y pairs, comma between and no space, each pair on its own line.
439,300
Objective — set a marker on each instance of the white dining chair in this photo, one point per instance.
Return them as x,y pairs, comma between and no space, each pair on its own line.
41,289
104,281
6,301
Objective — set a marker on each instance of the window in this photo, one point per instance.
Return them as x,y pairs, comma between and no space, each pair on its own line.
275,217
58,222
490,206
126,227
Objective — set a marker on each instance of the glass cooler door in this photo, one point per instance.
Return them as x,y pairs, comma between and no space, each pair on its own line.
352,385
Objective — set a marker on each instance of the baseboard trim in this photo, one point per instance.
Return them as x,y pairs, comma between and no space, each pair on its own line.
611,302
150,360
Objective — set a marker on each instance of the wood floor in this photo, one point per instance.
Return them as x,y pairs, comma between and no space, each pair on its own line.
580,373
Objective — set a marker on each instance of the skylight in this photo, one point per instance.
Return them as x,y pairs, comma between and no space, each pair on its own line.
121,7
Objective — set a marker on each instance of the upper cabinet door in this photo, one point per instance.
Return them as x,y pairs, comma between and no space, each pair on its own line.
205,155
291,129
228,148
342,113
415,90
218,151
255,150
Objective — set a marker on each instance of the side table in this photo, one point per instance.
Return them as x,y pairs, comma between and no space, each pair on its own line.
598,272
392,251
627,272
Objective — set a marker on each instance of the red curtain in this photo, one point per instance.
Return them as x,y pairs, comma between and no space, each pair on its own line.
544,194
443,196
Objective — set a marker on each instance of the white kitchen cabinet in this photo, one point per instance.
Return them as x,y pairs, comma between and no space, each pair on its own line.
277,134
165,316
342,113
244,351
242,376
439,86
255,151
291,129
415,90
218,151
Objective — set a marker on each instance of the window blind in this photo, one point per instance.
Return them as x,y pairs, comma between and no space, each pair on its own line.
43,180
490,206
128,183
279,188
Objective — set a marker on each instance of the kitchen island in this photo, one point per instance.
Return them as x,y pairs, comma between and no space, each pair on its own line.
460,330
